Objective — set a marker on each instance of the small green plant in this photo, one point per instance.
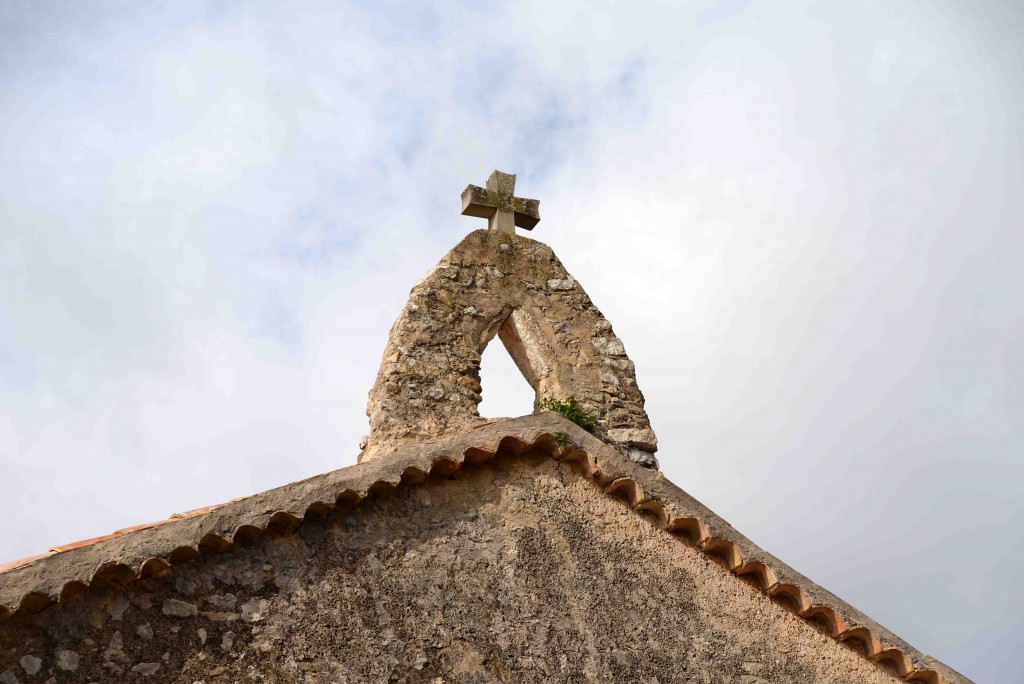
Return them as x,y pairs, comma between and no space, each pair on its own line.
561,439
567,409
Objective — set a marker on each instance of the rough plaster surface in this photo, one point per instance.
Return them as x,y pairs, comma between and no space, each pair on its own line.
517,571
497,283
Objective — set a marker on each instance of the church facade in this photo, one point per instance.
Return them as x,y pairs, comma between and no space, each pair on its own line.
535,549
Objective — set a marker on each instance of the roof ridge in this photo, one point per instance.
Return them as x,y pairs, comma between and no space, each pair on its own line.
144,550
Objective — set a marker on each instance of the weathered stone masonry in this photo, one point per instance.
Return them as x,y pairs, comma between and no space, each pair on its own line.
498,283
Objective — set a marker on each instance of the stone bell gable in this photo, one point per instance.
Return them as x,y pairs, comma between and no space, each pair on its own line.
498,283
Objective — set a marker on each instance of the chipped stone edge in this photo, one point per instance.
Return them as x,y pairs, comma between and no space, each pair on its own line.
138,553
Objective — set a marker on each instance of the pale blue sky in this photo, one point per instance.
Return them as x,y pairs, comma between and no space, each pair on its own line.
803,218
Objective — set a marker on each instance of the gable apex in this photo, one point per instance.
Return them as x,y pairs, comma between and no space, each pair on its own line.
500,284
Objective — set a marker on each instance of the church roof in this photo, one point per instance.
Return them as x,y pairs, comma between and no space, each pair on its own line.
35,583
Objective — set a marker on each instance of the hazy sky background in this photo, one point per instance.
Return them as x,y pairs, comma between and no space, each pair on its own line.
805,220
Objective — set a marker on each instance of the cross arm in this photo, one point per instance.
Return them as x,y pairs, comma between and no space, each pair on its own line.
484,203
479,202
527,212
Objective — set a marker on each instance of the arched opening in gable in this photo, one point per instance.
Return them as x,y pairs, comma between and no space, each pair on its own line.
504,389
532,360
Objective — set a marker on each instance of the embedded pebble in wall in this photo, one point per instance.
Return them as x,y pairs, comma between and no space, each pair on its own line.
638,439
217,616
185,585
68,660
254,609
222,602
562,284
118,607
181,609
31,664
142,601
609,345
641,457
146,669
115,648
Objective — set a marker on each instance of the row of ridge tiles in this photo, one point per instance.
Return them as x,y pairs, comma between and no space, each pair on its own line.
596,460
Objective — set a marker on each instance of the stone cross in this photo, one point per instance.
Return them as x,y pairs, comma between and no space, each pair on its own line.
498,204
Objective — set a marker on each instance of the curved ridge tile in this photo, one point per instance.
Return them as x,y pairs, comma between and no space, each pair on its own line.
476,456
183,554
246,532
581,458
349,497
762,574
413,475
627,488
113,572
827,618
382,487
71,589
655,509
549,444
320,509
213,542
725,551
513,445
868,644
897,660
153,566
691,528
791,596
35,601
445,467
284,520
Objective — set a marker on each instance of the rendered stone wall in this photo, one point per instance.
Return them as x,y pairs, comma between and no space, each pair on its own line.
519,570
496,283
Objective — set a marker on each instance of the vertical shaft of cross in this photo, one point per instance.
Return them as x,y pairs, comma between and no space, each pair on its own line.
504,186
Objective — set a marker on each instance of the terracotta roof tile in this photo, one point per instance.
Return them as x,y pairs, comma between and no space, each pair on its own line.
143,526
198,511
11,565
80,544
117,533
